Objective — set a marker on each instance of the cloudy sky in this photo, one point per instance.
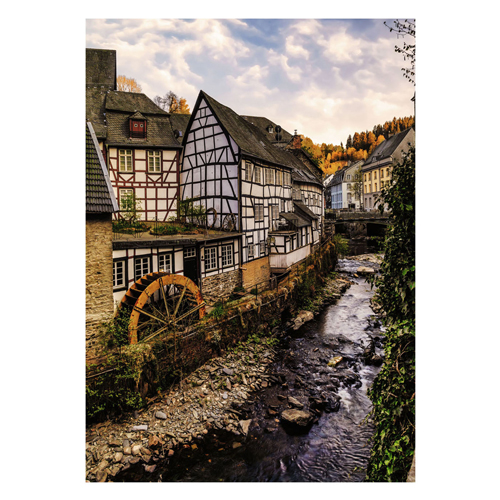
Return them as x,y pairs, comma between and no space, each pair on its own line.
325,78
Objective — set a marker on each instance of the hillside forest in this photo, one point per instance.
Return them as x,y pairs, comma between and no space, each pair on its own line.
359,146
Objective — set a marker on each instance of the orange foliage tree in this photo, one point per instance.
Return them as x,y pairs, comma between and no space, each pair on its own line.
126,84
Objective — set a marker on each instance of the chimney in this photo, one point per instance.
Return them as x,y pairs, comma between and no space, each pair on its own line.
297,141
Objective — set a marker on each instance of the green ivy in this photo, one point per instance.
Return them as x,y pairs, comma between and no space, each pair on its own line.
393,391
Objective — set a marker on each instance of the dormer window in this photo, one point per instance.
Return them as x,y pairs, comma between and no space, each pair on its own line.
137,129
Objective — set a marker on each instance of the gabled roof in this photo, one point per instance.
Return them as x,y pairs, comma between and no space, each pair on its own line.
263,123
99,194
386,148
254,143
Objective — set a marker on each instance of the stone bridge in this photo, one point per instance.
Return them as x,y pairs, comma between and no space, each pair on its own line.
341,216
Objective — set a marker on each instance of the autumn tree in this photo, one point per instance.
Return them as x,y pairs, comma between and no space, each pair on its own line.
172,103
126,84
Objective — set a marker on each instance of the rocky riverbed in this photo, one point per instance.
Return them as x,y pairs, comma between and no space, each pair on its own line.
216,397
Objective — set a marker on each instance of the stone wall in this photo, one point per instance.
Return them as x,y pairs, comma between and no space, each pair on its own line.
255,271
99,279
220,285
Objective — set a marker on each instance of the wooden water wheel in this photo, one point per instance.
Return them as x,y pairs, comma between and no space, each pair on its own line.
162,303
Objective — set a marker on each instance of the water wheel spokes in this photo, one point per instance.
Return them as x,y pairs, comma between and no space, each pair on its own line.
162,303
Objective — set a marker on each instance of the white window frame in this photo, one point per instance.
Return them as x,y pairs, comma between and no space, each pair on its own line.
124,192
127,157
143,263
259,212
248,171
189,252
211,259
227,254
117,284
154,161
262,248
251,251
166,265
257,174
279,178
269,176
274,212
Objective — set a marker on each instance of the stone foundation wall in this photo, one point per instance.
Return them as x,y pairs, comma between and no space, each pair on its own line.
220,285
99,279
255,271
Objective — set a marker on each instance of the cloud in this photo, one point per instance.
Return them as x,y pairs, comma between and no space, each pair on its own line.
325,78
292,72
295,50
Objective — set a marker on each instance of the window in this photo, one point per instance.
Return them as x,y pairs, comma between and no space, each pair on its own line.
269,174
259,213
189,252
137,129
348,186
251,249
287,178
274,212
125,160
257,171
154,161
119,280
262,249
349,177
375,187
227,255
124,193
165,262
279,178
248,171
210,258
387,172
375,175
381,174
141,267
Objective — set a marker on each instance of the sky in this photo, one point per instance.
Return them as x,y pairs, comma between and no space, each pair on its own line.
325,78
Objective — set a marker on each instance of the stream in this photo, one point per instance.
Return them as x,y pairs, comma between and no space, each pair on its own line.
336,448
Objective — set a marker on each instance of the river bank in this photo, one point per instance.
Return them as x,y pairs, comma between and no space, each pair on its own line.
215,397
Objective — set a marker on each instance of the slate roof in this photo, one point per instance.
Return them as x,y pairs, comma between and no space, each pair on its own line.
99,194
180,122
262,123
110,111
387,148
95,99
255,143
304,211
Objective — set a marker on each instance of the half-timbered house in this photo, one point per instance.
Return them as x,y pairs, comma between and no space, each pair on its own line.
139,141
232,169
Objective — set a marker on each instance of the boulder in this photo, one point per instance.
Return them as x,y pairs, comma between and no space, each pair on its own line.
365,270
302,318
295,403
244,425
296,421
